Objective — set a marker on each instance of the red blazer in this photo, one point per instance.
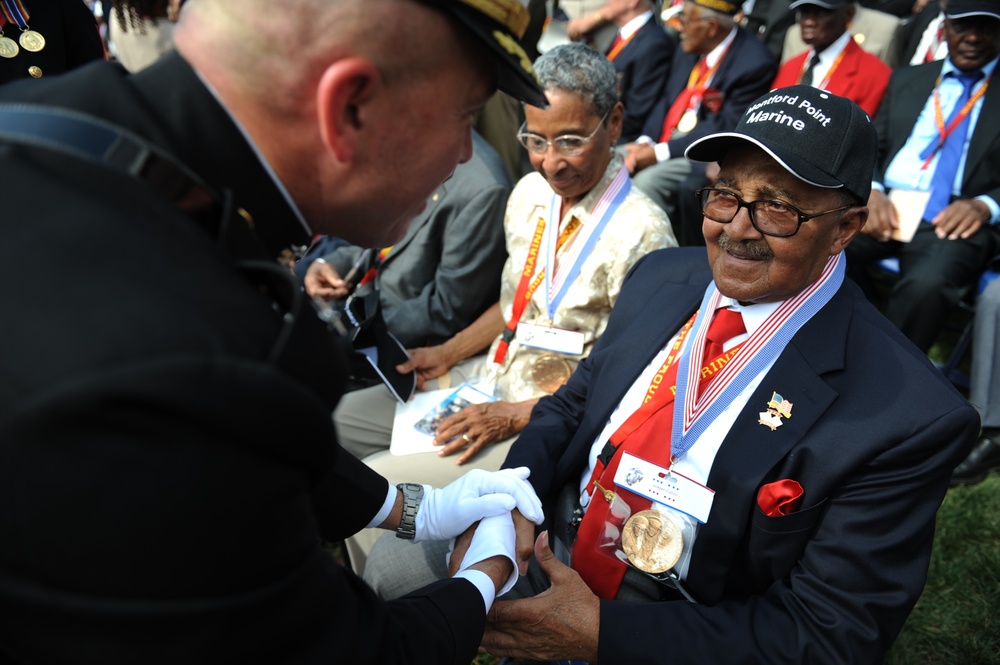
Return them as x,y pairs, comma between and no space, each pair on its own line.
860,76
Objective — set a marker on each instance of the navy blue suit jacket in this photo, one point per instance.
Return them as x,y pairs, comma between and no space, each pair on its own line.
643,66
744,75
874,435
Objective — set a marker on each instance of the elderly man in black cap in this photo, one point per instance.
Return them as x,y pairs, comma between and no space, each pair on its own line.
938,175
792,445
717,69
168,466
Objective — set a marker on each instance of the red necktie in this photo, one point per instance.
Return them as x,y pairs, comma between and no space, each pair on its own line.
681,104
651,442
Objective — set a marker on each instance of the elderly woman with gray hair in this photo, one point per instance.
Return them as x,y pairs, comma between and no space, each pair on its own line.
573,229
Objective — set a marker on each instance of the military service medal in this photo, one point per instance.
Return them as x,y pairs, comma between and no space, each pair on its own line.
549,372
652,541
32,40
8,47
688,121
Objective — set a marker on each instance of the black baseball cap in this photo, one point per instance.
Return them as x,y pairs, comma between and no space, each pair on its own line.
822,139
500,24
825,4
965,8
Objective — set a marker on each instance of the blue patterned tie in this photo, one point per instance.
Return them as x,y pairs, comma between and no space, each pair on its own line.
951,152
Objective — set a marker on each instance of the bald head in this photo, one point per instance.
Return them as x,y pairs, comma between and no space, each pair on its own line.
343,99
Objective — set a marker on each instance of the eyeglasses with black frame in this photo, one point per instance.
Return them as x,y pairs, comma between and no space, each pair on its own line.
772,218
569,145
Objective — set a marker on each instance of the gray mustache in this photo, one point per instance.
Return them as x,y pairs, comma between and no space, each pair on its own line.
756,249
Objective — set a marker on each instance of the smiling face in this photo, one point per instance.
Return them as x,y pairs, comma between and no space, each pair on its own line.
972,41
569,113
753,268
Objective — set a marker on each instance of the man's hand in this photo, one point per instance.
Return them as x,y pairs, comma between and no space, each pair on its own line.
491,551
961,219
447,512
429,362
524,537
639,156
883,218
579,28
323,281
480,425
561,622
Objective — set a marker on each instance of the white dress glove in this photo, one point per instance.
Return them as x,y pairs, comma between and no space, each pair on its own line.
445,513
494,536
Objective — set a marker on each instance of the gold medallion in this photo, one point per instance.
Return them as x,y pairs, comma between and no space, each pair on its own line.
8,47
35,72
652,541
550,371
687,121
32,41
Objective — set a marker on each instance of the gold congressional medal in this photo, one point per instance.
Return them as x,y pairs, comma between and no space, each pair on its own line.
687,121
550,371
32,41
8,47
35,72
652,541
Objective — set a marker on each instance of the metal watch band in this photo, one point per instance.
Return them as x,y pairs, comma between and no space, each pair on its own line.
413,494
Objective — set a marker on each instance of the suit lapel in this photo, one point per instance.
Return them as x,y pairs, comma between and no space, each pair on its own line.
418,223
986,129
751,451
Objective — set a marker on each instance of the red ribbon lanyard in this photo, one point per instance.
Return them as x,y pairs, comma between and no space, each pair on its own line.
526,287
661,392
945,132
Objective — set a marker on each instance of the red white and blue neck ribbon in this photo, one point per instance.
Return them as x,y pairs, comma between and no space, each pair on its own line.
693,416
558,282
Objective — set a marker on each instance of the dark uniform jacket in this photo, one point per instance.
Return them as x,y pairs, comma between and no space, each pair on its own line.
168,466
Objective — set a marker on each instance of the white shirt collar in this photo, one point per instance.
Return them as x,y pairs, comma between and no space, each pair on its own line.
716,54
830,53
633,26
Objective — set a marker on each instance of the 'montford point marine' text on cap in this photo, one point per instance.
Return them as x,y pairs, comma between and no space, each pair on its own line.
818,137
500,24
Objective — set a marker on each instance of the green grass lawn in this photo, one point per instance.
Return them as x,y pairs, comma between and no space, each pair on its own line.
957,619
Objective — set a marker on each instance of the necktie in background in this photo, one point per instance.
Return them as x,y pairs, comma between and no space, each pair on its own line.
807,75
951,151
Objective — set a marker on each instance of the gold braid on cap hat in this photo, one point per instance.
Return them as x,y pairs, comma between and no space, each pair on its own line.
511,14
718,5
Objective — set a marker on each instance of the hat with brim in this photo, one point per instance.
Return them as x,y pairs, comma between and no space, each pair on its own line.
728,7
499,24
825,4
967,8
820,138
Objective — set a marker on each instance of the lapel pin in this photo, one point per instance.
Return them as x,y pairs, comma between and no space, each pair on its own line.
777,408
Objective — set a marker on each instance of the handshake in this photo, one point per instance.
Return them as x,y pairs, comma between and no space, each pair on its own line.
486,498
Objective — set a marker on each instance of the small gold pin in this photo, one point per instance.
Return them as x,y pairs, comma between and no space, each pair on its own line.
777,408
609,496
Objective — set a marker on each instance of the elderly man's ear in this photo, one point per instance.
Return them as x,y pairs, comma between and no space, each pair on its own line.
343,104
851,223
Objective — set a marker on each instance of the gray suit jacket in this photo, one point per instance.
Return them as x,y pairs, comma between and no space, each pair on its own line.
446,271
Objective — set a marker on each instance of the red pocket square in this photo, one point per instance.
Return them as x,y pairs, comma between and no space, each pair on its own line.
780,497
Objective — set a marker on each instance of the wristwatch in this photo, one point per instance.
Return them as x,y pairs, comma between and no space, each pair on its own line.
413,494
